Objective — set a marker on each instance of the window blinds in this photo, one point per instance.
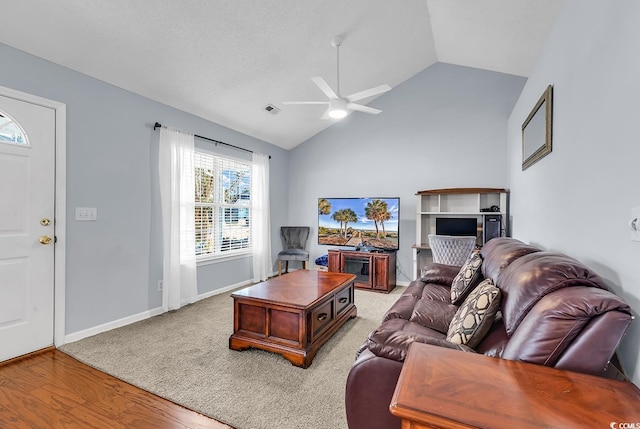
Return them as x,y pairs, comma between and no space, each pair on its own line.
222,205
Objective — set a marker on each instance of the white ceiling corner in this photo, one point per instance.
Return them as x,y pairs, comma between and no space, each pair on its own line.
499,35
225,60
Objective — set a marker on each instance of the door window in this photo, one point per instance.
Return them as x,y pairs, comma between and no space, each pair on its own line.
11,132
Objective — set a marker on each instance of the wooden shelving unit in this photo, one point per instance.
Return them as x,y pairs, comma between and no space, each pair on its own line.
453,202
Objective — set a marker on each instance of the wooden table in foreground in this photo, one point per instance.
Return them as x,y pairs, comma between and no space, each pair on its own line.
293,314
443,388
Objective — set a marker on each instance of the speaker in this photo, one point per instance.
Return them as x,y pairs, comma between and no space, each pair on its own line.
492,227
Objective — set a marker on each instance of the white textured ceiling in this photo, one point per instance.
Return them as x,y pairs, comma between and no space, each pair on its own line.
225,60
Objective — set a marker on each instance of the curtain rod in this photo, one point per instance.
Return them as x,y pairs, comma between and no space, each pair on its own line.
159,125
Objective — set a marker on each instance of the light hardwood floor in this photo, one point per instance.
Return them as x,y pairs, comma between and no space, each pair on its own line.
52,390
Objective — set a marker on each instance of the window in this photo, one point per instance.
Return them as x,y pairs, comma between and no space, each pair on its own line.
11,132
222,205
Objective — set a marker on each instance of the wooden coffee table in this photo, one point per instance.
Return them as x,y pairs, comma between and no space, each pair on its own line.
293,314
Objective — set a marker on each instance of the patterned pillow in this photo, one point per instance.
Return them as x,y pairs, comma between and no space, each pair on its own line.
467,279
475,316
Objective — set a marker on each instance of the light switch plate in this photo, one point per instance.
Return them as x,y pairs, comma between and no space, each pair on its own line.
86,213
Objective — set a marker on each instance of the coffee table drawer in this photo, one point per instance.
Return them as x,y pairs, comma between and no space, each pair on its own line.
320,318
344,299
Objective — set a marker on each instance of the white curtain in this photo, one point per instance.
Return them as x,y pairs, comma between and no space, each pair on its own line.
176,173
260,219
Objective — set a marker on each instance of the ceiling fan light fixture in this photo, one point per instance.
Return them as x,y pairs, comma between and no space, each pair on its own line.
339,105
338,113
338,109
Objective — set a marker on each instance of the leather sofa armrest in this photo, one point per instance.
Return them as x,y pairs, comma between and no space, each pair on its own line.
369,388
439,273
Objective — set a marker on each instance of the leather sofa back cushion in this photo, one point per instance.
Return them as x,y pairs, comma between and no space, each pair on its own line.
531,277
499,252
431,313
555,322
420,289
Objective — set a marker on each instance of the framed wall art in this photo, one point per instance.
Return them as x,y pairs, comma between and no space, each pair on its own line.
537,130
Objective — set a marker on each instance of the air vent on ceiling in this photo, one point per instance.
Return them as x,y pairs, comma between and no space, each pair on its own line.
271,109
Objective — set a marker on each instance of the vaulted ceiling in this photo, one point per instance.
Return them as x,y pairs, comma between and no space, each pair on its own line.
225,60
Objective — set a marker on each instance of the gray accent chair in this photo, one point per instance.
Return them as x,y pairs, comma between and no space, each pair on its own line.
294,241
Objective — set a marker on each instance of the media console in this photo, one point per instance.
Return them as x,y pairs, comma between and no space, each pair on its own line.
374,270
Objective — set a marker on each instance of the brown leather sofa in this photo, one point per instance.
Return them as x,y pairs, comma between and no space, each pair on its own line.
554,312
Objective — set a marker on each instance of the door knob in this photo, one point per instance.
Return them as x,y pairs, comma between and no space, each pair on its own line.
45,239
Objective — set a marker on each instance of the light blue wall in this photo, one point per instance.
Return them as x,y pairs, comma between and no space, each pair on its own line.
443,128
114,264
578,199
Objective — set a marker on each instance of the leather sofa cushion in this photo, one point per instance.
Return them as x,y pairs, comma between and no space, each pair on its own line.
392,339
555,322
494,342
430,313
531,277
499,252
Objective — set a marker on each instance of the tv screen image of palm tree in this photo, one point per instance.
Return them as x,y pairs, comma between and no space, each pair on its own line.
369,222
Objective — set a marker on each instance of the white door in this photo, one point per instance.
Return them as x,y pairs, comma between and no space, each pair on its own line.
27,195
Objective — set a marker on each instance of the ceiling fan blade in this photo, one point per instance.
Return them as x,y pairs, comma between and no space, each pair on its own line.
305,102
361,108
369,92
324,87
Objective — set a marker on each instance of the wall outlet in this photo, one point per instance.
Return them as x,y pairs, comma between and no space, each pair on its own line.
160,285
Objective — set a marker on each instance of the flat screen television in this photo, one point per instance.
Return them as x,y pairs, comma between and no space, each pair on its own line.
359,222
460,226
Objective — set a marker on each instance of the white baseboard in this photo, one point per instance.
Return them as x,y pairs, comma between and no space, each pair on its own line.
223,290
77,336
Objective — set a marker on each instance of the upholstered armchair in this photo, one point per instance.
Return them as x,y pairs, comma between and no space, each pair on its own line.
294,241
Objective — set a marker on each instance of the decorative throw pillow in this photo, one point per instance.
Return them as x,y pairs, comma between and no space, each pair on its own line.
467,279
475,316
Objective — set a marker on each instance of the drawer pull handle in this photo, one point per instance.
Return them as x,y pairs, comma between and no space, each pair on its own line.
343,300
322,317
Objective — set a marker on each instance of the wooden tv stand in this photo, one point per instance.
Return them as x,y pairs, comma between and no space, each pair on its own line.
444,388
374,270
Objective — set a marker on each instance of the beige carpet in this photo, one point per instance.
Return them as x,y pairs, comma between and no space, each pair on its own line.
184,356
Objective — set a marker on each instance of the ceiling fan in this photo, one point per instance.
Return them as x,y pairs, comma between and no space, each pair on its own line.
340,106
